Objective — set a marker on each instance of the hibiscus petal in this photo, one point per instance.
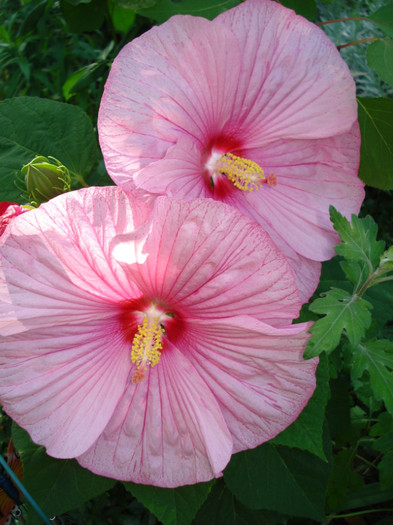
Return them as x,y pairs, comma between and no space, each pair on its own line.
176,78
296,85
56,262
256,373
62,384
214,268
167,430
311,176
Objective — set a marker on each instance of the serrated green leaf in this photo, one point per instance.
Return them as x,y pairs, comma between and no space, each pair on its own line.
380,58
359,238
31,126
306,433
383,18
343,311
57,485
222,508
281,479
376,152
164,9
376,356
306,8
171,506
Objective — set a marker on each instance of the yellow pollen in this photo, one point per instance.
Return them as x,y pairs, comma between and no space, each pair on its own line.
245,174
146,347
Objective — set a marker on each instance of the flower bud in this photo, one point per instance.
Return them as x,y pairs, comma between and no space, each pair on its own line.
45,178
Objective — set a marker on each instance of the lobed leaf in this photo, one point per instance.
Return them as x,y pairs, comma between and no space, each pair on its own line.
359,238
343,311
376,356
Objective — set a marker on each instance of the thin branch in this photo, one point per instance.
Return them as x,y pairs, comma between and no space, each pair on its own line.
341,20
358,42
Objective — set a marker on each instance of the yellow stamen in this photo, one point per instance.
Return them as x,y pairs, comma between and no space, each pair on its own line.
146,346
245,174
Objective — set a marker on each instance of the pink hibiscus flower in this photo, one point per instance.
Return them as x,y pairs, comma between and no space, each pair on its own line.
9,210
150,339
255,108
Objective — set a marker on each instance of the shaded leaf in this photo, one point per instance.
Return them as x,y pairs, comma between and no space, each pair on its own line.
58,485
385,468
84,16
306,8
380,58
306,433
171,506
376,356
376,153
222,508
164,9
343,311
280,479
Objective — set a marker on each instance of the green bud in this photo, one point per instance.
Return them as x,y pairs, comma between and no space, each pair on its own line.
45,178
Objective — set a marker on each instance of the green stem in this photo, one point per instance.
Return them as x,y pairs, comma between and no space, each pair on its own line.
79,178
358,513
373,39
366,461
341,20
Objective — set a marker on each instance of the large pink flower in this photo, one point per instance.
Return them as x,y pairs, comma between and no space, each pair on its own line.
9,210
150,339
198,108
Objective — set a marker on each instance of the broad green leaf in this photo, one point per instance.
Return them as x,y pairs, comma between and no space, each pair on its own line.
343,478
122,18
171,506
383,18
306,432
82,79
84,16
58,485
306,8
376,356
31,126
380,58
281,479
359,238
135,4
376,153
343,311
368,496
222,508
164,9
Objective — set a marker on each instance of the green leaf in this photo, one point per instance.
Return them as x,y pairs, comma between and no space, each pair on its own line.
164,9
383,18
135,4
122,18
385,468
171,506
359,239
84,16
82,79
31,126
57,485
376,356
376,153
281,479
343,478
222,508
386,264
380,58
306,433
343,311
306,8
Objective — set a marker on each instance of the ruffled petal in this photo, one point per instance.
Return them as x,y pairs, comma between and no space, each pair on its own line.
294,83
256,372
56,261
210,261
167,430
63,383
